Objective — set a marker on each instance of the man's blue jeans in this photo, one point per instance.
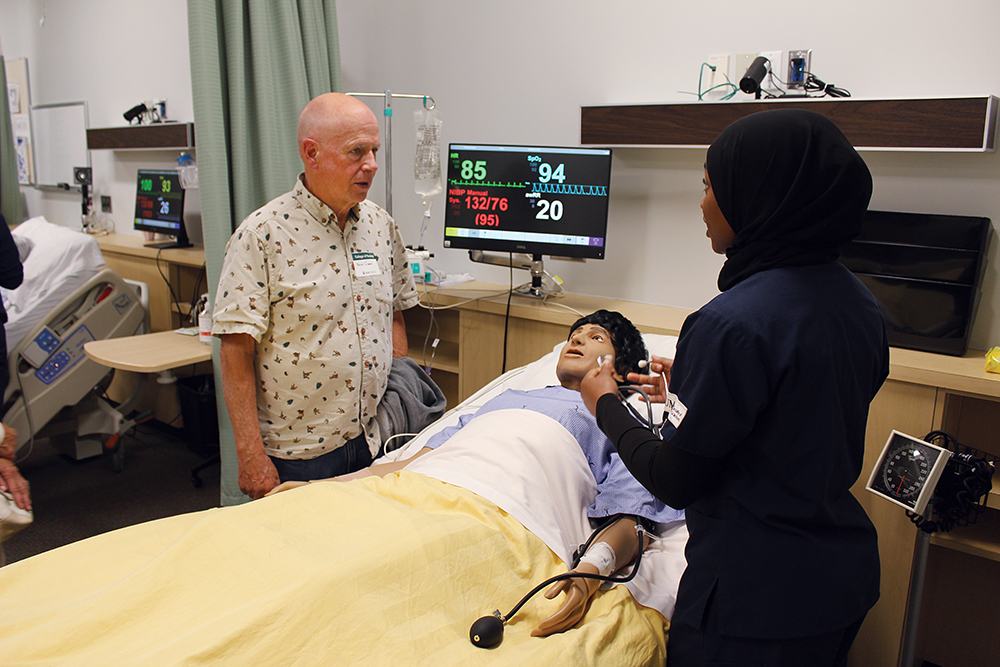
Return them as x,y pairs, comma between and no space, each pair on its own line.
353,455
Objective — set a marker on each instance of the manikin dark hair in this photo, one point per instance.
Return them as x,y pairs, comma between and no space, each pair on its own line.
629,346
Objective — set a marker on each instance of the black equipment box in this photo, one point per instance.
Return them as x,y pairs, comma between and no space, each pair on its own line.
926,272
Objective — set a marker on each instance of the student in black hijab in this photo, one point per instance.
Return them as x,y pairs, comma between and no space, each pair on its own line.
11,275
767,406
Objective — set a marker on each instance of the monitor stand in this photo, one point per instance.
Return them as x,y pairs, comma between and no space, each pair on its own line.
176,243
519,261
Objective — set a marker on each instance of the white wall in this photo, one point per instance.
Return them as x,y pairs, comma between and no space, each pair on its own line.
113,54
518,71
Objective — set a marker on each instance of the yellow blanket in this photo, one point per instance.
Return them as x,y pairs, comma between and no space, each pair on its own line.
375,572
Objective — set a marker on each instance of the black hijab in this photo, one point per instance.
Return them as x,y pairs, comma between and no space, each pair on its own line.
792,188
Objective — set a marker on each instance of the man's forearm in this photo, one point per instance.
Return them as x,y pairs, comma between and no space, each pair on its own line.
400,347
239,390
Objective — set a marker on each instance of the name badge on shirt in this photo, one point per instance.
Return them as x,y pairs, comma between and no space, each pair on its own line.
675,410
365,264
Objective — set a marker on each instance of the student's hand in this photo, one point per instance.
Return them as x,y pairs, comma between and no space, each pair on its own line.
597,383
578,595
13,483
9,443
655,384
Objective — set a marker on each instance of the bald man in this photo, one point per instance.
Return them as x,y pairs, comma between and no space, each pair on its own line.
309,309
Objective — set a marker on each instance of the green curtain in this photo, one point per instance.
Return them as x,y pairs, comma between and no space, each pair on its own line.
10,192
254,65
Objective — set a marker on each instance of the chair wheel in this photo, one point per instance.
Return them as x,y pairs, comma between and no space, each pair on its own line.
117,460
196,481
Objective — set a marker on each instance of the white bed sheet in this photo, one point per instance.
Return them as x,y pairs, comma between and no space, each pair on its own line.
60,261
663,562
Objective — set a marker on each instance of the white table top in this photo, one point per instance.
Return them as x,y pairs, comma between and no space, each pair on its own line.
149,353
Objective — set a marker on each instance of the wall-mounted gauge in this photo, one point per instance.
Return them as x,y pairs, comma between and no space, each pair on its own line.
907,471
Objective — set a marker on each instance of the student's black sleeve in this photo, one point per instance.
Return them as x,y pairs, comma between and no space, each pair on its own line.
11,271
676,477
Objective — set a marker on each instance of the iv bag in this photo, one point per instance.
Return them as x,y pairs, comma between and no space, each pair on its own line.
427,163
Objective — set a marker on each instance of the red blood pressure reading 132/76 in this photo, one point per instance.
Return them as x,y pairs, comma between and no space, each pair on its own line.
484,203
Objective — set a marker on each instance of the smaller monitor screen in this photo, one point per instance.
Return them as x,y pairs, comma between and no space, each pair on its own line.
528,199
159,202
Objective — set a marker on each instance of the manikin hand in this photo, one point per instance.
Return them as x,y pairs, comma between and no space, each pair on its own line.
655,384
257,474
578,595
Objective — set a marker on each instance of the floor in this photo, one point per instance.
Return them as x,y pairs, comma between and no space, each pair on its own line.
73,500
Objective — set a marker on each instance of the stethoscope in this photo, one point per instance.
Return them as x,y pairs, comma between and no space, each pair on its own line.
487,631
648,422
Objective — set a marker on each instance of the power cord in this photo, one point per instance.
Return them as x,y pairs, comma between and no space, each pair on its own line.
811,84
506,316
966,479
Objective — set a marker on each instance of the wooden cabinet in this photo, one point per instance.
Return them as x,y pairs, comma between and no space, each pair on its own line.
942,124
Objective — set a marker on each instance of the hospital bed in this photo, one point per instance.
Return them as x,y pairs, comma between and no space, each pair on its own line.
68,298
374,571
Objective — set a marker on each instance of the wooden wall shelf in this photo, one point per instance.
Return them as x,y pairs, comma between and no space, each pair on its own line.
159,136
961,124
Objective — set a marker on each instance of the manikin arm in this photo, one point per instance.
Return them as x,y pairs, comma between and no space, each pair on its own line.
621,537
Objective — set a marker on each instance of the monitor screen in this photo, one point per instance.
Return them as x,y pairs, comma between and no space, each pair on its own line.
528,199
159,205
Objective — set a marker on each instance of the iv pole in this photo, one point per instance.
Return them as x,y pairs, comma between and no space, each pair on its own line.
387,112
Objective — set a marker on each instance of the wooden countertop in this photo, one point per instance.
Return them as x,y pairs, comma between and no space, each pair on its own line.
134,245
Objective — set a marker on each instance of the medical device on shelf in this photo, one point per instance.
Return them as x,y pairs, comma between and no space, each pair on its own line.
55,389
534,200
941,484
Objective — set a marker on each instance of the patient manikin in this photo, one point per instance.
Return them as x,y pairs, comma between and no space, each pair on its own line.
600,338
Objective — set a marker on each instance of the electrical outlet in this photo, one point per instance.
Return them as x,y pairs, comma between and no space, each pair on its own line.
719,76
105,204
743,62
799,64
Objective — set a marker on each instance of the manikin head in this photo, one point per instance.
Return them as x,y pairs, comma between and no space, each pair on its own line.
601,333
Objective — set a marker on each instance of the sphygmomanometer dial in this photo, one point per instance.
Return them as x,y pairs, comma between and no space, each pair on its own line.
907,471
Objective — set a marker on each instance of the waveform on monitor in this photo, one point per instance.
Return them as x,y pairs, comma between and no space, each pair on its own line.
569,189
